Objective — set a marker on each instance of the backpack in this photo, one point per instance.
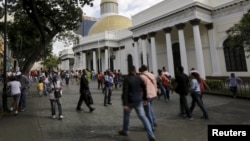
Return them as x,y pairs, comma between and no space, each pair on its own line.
165,80
202,85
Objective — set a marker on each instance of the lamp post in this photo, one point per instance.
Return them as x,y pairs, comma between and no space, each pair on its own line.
4,95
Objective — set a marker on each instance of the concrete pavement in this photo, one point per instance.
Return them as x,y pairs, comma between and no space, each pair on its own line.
36,124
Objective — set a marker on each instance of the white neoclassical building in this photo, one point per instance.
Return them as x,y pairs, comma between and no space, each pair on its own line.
191,33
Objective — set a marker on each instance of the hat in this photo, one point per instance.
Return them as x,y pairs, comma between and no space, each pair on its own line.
18,73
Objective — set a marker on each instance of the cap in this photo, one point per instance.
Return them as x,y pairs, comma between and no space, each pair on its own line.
18,73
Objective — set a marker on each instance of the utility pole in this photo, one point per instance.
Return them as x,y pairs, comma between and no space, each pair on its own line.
4,95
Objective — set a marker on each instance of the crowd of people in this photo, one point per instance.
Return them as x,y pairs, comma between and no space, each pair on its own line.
139,90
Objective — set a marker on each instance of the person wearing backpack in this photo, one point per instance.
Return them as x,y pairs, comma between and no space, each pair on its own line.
181,88
165,82
196,94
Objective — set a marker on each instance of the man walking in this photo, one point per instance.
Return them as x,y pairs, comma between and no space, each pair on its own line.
151,87
182,85
133,96
84,91
24,87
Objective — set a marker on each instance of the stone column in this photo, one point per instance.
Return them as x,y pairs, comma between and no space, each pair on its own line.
75,61
198,48
94,60
66,64
213,52
153,52
135,56
183,50
144,50
169,50
84,60
106,59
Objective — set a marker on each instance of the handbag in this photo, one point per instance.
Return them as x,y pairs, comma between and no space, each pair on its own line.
89,97
57,93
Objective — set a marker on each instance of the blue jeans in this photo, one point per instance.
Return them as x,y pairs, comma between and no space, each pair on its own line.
107,96
196,98
22,103
166,93
141,114
150,112
53,104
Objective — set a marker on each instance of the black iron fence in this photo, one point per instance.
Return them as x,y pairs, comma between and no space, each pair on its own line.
221,87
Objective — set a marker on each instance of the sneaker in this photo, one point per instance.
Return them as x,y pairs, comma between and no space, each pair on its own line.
121,132
11,109
16,113
53,116
190,118
152,139
91,110
61,117
22,110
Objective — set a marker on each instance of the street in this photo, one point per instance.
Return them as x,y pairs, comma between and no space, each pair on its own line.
36,124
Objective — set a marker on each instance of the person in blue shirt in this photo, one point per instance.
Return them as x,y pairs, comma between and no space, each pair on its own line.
108,82
195,91
233,82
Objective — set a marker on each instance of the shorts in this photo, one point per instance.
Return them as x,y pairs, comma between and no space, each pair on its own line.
233,89
16,97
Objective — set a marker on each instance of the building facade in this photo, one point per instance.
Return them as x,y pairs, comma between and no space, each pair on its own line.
191,33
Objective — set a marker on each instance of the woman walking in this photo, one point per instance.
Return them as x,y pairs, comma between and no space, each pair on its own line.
196,94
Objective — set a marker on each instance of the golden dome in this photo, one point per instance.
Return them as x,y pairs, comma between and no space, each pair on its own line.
110,23
103,1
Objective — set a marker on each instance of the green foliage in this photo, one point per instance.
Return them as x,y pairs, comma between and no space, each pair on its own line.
36,23
215,84
51,62
239,34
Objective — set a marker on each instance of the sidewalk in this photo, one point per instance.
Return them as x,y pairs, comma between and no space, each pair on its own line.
35,123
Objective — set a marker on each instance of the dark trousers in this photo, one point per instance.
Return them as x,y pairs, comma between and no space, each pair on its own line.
196,98
83,97
100,84
184,109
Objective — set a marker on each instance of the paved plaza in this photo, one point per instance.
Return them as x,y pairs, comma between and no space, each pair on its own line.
36,124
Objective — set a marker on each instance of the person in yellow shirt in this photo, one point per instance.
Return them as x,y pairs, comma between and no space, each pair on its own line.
40,87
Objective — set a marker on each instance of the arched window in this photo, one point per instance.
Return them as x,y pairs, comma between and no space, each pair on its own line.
234,57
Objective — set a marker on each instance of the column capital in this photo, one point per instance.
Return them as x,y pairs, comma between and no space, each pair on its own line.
195,22
167,30
94,49
152,34
180,26
106,47
209,26
135,39
143,37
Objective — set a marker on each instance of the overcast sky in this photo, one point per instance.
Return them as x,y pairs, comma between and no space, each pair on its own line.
127,8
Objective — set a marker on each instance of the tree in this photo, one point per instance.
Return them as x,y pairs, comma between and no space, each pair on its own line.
37,23
239,34
51,62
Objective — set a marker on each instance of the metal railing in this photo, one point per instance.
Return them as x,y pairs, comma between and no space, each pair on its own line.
222,88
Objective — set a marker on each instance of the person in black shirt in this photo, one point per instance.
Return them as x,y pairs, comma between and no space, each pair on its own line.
182,85
84,91
134,96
